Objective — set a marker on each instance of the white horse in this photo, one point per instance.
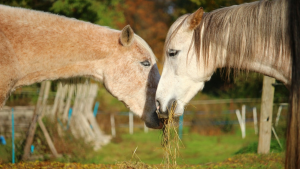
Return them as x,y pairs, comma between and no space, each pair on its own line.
37,46
254,36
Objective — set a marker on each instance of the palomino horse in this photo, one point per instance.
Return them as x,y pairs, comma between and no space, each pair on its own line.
37,46
254,36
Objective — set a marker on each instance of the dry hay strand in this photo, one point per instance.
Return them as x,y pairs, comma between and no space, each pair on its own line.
170,143
134,163
170,138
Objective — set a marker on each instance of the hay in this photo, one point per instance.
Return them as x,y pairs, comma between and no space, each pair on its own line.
170,139
134,163
170,142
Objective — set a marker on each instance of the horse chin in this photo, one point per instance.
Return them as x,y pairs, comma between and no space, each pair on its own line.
153,121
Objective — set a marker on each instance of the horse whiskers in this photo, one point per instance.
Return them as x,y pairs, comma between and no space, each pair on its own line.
186,103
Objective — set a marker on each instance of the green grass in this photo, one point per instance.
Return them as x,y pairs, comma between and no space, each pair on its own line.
196,149
208,151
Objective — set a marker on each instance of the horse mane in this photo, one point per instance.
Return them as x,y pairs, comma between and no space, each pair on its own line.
248,32
244,31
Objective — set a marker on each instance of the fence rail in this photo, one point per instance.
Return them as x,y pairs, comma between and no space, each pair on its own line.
248,114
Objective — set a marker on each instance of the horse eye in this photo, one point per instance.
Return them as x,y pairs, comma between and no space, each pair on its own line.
145,63
173,52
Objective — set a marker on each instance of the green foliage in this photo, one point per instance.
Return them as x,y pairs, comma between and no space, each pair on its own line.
242,85
102,12
19,147
252,148
227,127
30,4
196,148
188,6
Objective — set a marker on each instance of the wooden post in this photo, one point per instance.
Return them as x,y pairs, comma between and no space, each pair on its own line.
57,96
244,118
45,97
238,115
112,124
145,128
255,120
130,123
276,137
278,115
32,127
48,138
68,103
265,128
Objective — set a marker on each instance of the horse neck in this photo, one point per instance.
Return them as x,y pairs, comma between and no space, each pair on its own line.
49,47
264,65
256,42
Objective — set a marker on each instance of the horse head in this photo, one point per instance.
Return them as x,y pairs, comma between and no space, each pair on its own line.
184,74
131,75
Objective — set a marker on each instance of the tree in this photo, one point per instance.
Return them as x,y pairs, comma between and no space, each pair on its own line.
181,7
101,12
149,20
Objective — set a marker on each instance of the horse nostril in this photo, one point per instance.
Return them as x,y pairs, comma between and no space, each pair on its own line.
157,104
159,108
170,104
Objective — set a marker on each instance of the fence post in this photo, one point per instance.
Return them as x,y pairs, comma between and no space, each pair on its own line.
180,126
265,126
145,128
238,114
112,124
276,137
130,123
278,115
255,120
96,109
13,135
244,118
48,138
32,127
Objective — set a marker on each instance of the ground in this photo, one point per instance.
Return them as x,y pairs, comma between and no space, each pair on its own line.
197,152
249,161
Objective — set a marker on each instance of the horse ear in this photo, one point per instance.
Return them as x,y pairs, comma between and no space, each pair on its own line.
127,35
195,18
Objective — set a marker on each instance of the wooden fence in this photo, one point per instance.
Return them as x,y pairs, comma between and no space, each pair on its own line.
22,117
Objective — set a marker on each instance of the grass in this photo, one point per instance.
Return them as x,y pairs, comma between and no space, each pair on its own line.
197,149
249,161
202,151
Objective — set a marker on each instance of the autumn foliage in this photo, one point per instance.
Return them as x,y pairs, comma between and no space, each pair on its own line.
149,20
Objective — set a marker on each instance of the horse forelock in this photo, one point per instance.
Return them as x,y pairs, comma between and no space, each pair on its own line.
173,31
